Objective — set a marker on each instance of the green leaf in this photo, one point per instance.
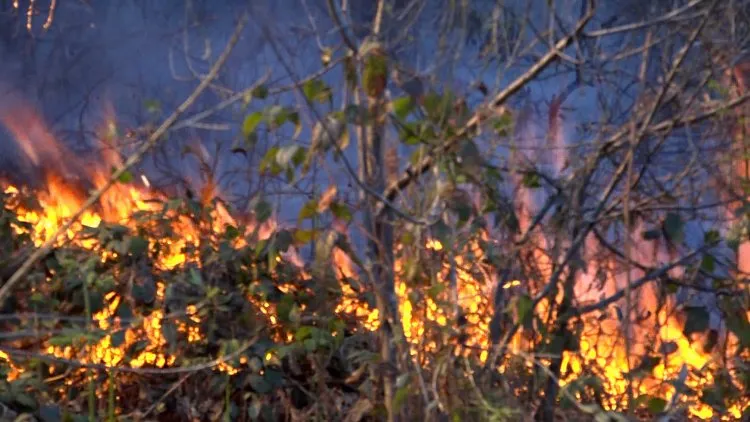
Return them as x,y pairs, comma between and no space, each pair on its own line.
400,397
263,211
137,246
195,277
708,263
304,236
697,320
152,106
274,378
309,210
418,155
25,400
259,384
299,156
375,74
402,106
285,155
317,90
269,163
470,157
341,211
463,210
503,124
117,338
283,240
410,133
285,306
169,331
740,326
434,291
125,177
531,180
656,405
277,116
251,124
62,340
651,234
712,237
231,232
437,106
260,92
673,227
524,309
50,413
124,311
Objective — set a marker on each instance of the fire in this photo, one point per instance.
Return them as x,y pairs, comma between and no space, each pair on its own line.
427,321
58,201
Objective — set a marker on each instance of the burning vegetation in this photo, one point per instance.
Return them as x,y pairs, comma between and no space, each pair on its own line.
156,307
147,286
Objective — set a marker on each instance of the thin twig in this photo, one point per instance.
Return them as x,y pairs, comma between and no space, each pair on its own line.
151,371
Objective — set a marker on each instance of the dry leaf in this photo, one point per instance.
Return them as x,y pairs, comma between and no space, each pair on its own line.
326,199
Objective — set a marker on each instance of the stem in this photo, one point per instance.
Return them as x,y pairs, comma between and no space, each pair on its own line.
89,372
111,397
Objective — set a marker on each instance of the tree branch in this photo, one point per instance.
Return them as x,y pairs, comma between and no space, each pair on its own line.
415,171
